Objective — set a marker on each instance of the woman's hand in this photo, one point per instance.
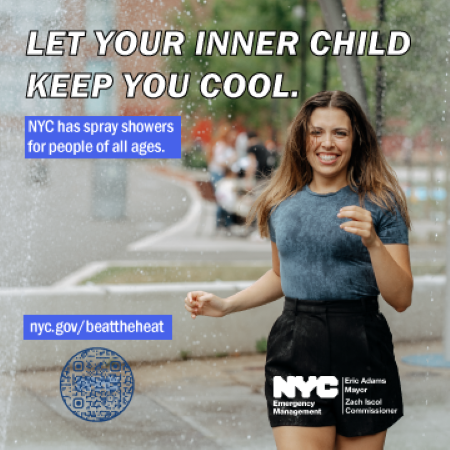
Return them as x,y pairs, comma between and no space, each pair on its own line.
200,303
362,224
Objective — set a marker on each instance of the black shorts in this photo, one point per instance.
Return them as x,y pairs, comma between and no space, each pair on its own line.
347,346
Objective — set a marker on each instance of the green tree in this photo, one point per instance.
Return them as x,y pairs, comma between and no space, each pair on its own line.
245,15
416,81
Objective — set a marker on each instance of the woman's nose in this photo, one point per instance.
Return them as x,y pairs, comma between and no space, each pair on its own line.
327,140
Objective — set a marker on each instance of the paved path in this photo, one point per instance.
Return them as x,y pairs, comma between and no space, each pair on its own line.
206,404
48,231
191,237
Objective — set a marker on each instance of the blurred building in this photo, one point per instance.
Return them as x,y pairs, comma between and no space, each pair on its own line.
18,17
33,188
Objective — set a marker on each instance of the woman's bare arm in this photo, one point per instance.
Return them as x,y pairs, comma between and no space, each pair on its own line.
391,262
392,268
265,290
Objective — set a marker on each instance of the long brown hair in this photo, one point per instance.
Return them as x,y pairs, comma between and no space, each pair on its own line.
368,171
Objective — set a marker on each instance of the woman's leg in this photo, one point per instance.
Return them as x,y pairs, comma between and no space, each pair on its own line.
305,438
371,442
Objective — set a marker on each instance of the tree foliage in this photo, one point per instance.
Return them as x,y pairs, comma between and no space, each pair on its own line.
415,82
247,15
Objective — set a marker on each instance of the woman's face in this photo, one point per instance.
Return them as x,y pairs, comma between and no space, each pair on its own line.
329,140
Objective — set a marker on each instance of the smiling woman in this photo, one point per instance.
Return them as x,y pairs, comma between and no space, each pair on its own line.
338,223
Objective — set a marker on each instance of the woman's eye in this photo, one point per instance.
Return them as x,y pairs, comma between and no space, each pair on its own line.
341,133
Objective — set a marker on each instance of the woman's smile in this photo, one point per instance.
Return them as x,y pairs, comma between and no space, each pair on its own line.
327,158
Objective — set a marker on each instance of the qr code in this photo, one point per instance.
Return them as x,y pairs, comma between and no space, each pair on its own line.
97,384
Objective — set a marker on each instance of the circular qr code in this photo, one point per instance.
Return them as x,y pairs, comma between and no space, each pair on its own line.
96,384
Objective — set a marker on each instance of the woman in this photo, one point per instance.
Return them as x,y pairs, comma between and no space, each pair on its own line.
338,223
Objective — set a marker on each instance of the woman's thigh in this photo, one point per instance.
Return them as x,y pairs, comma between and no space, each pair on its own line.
324,438
304,438
370,442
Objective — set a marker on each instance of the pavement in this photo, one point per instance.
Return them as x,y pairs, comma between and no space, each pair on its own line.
48,231
195,237
191,237
207,404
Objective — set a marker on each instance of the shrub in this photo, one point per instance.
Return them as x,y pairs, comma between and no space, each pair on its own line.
261,345
185,354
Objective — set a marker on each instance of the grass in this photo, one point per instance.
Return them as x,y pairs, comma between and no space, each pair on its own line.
428,269
178,274
211,272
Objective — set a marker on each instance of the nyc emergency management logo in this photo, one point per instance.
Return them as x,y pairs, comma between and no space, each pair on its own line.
322,385
96,384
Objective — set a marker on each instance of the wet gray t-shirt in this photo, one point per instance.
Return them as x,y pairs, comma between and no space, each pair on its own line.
318,259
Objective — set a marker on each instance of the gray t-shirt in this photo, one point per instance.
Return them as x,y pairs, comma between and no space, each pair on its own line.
318,259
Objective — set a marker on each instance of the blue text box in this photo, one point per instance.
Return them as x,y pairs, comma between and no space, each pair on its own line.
51,327
81,137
